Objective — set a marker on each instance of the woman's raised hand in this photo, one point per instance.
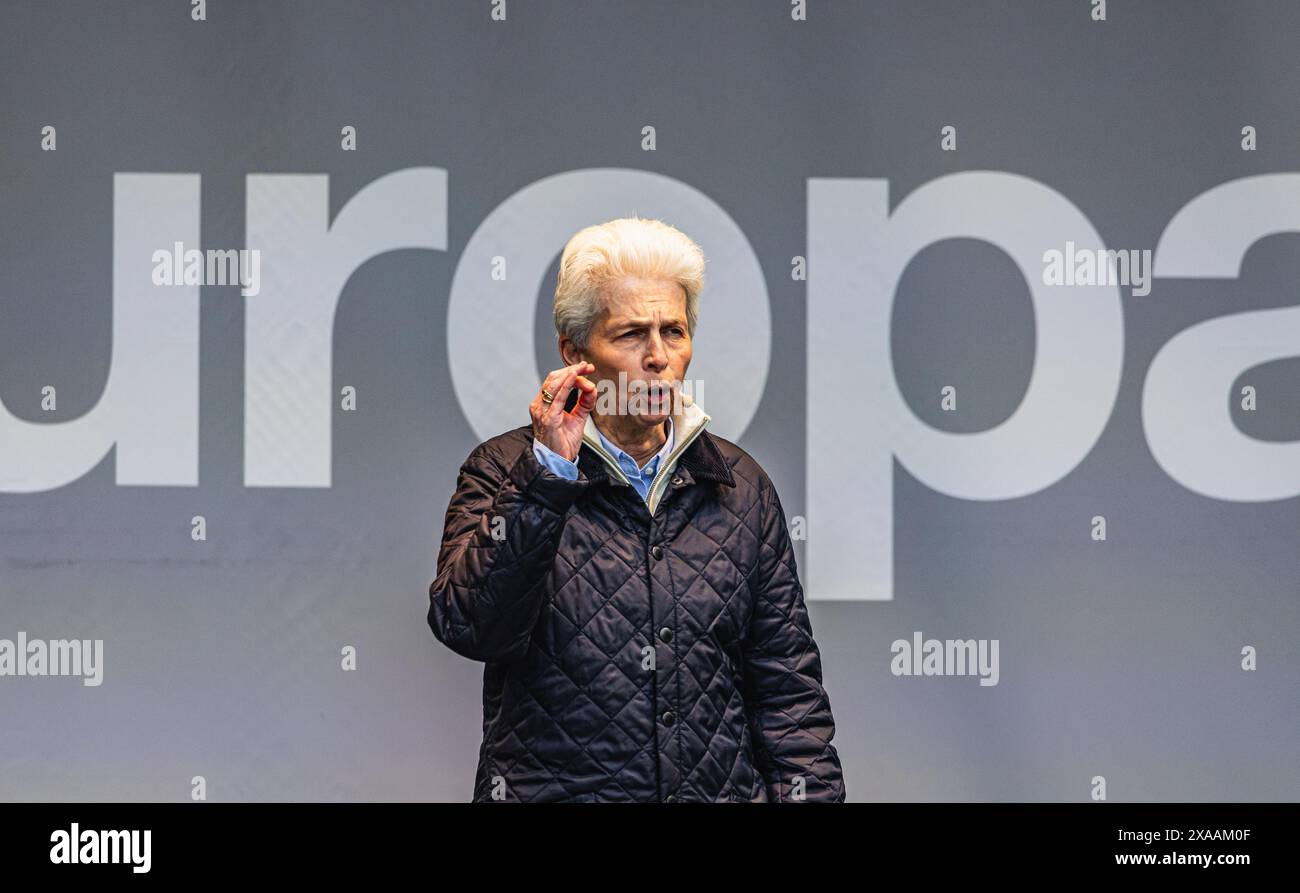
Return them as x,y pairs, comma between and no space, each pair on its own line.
559,430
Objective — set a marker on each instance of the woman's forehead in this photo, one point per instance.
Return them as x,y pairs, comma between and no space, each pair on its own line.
644,301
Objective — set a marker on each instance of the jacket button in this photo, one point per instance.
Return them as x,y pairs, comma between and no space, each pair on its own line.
666,634
657,551
671,798
669,717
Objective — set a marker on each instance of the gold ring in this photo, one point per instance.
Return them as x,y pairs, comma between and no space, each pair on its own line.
547,396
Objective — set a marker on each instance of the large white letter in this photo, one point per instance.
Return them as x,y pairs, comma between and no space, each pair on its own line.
858,422
289,325
494,362
150,404
1185,400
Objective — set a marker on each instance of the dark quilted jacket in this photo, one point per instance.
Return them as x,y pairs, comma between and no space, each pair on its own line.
631,657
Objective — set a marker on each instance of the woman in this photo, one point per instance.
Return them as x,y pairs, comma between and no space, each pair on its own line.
626,576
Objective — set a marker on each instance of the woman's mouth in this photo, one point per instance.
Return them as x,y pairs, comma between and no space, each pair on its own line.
657,395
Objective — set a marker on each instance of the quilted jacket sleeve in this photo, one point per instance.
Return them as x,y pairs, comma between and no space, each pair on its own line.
788,710
502,529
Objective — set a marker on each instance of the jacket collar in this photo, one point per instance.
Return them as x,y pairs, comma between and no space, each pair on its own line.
700,460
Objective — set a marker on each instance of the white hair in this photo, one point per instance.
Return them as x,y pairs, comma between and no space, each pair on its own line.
598,257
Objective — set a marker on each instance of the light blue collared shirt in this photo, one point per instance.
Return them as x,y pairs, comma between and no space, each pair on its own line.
641,478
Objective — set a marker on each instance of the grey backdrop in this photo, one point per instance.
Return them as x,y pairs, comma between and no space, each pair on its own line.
1119,659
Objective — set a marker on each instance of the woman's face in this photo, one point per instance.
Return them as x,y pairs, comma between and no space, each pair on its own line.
643,335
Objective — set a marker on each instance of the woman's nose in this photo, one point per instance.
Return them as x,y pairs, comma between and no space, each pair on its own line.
658,356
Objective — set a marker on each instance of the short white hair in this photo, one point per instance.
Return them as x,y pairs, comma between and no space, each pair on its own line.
598,257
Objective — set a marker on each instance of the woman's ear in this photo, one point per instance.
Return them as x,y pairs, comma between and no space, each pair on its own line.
569,354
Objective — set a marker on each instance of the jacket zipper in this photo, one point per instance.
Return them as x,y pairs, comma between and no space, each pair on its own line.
653,501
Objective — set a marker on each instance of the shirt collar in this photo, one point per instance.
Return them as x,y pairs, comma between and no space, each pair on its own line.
653,464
